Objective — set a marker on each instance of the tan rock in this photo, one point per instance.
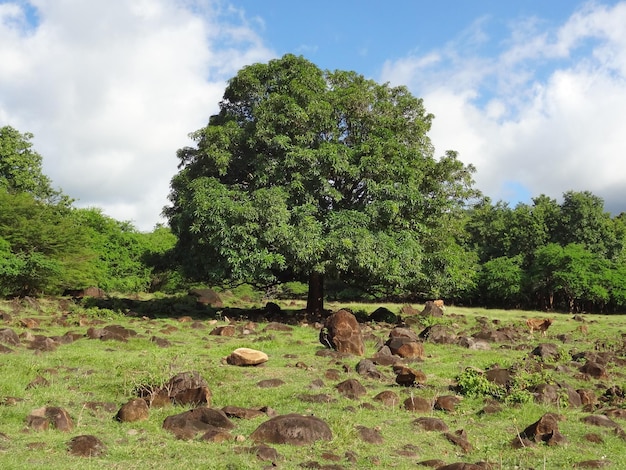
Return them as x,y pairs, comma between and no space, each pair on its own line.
247,357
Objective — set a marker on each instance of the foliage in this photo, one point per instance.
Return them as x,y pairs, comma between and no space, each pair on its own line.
20,167
305,171
566,256
43,250
473,384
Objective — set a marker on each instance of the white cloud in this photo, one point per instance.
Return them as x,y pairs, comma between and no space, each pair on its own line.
112,88
546,113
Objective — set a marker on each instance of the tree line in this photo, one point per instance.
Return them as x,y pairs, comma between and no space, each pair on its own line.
322,178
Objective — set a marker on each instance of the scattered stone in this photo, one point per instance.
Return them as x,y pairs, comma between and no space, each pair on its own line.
247,357
86,446
207,297
408,377
546,351
367,368
161,342
409,311
432,310
187,388
199,420
431,424
342,332
41,419
134,410
319,398
593,463
383,315
351,388
447,403
418,405
270,383
370,435
502,377
433,463
546,430
593,438
600,420
216,435
10,337
459,438
438,334
43,343
242,413
227,330
388,398
292,429
595,370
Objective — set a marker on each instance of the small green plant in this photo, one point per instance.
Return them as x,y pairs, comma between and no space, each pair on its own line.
473,383
519,396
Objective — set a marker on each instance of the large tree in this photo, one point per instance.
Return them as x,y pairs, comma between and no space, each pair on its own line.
306,173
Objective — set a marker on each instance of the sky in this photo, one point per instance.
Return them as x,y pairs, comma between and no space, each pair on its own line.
532,93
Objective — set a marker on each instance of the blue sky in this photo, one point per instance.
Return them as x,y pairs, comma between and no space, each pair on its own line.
530,92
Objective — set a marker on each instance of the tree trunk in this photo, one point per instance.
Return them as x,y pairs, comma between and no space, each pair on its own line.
315,298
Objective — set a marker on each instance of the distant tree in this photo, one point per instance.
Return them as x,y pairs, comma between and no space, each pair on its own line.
41,249
120,247
305,174
501,282
583,220
20,167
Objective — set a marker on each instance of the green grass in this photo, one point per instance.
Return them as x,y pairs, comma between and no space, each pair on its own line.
87,371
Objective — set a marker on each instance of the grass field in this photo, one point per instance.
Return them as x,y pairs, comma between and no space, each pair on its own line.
92,378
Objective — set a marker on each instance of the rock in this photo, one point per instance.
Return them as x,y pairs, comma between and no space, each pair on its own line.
502,377
242,413
10,337
593,463
367,368
216,435
438,334
431,424
270,383
405,343
186,425
594,370
342,332
292,429
600,420
369,435
547,351
134,410
432,310
447,403
408,377
246,357
42,418
383,315
388,398
546,429
418,405
409,311
188,388
351,388
207,297
86,446
459,437
227,330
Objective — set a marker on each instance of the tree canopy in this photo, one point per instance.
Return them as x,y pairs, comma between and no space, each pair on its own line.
306,173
